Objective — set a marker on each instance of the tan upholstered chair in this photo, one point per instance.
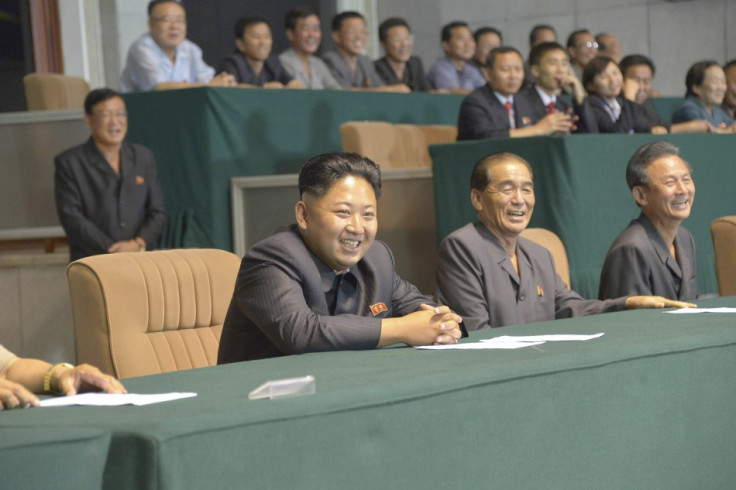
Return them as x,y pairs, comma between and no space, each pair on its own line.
394,145
52,91
147,313
553,243
723,231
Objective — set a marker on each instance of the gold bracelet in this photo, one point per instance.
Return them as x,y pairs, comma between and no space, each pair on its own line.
47,377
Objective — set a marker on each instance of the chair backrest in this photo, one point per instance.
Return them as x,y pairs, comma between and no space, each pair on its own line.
551,242
52,91
394,145
723,231
147,313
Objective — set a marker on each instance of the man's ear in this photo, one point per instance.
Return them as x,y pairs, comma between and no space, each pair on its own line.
475,199
445,45
640,195
336,37
290,35
534,69
300,211
240,45
696,90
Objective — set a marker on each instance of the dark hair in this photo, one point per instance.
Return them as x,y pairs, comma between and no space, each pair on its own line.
572,38
446,34
96,96
154,3
537,29
696,75
635,60
538,52
595,67
500,50
295,14
244,22
322,171
338,19
598,39
389,24
729,65
482,31
479,177
636,169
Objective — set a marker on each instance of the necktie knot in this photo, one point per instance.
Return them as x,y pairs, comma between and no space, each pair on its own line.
507,105
550,108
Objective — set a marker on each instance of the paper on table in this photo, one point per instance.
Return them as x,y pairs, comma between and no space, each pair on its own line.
112,399
479,346
543,338
722,309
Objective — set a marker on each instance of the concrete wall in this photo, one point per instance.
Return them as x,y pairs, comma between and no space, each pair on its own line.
674,34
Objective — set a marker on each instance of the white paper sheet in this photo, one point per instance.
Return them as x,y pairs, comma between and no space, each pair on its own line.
722,309
479,346
112,399
544,338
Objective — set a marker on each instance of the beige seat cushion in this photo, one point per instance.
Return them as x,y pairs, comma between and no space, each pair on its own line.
723,231
52,91
551,242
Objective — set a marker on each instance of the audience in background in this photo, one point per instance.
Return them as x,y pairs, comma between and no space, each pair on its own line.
729,101
163,58
398,66
350,67
613,113
454,72
107,192
638,72
540,33
493,111
654,254
582,47
252,64
486,39
304,32
706,90
20,378
609,45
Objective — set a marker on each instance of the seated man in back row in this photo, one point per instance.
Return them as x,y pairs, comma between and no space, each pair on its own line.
323,284
493,277
654,254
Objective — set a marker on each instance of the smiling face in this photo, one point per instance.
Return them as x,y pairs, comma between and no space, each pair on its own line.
256,42
306,36
461,45
713,89
505,206
340,226
668,197
584,50
608,83
507,73
553,66
351,37
108,122
399,44
168,25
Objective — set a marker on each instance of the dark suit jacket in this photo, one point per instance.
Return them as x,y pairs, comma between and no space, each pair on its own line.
414,76
273,70
98,208
483,116
631,119
476,278
563,103
280,306
639,262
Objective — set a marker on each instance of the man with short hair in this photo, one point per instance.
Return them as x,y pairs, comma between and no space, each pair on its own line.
493,111
163,58
398,65
454,72
486,39
655,254
492,276
350,67
325,284
582,47
304,32
252,64
609,45
107,192
540,33
556,88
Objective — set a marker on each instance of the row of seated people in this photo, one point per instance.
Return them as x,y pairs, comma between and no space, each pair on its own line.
164,58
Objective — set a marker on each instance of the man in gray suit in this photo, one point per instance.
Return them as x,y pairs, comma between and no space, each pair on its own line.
324,284
493,277
654,254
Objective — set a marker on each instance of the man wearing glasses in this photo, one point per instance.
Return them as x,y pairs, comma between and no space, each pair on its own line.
582,47
107,193
163,58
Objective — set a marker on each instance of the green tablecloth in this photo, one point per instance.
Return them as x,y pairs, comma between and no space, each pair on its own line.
205,136
648,405
581,191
